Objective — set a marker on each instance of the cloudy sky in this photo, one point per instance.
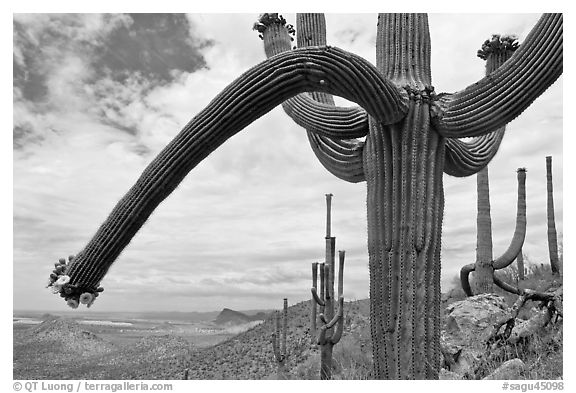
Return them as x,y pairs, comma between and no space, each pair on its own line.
96,97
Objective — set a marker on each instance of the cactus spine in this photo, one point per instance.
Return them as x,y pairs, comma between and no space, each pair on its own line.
328,336
279,340
552,235
408,129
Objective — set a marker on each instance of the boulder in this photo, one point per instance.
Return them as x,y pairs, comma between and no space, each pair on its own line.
467,325
512,369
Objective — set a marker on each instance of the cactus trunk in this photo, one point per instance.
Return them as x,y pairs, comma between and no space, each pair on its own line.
405,208
483,268
326,361
552,235
403,164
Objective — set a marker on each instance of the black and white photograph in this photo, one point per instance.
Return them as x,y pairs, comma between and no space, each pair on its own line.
287,196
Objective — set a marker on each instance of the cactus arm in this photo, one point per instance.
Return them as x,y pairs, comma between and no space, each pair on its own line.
500,97
505,286
515,246
520,261
313,302
336,318
317,299
322,288
464,278
340,320
246,99
341,158
327,120
467,158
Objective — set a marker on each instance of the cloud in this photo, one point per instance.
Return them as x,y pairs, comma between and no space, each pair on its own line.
243,227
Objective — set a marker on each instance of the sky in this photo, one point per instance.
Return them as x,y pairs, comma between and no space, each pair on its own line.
97,96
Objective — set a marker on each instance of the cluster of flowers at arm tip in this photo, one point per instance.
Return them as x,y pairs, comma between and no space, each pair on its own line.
265,20
497,44
59,283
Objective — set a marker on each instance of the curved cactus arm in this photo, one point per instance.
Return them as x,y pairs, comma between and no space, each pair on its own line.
507,287
515,246
317,299
340,327
343,159
327,120
246,99
500,97
463,158
464,278
340,157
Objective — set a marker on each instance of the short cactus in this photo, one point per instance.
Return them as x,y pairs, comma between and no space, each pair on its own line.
279,341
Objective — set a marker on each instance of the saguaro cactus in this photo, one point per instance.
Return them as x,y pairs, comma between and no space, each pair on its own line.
279,341
411,138
515,246
327,337
552,235
496,52
332,327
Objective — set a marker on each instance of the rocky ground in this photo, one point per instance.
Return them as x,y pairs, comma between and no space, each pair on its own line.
62,349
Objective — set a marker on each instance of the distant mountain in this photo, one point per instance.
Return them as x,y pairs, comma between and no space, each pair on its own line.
229,317
174,316
249,355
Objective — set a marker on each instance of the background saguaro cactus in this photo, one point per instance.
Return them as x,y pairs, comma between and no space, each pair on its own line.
552,235
328,336
515,246
332,327
279,340
411,139
496,52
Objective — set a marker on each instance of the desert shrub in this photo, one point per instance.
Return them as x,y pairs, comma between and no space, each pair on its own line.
309,368
351,361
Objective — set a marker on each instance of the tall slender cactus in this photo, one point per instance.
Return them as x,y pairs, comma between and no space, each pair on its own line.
552,235
496,52
328,336
411,139
515,246
279,341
